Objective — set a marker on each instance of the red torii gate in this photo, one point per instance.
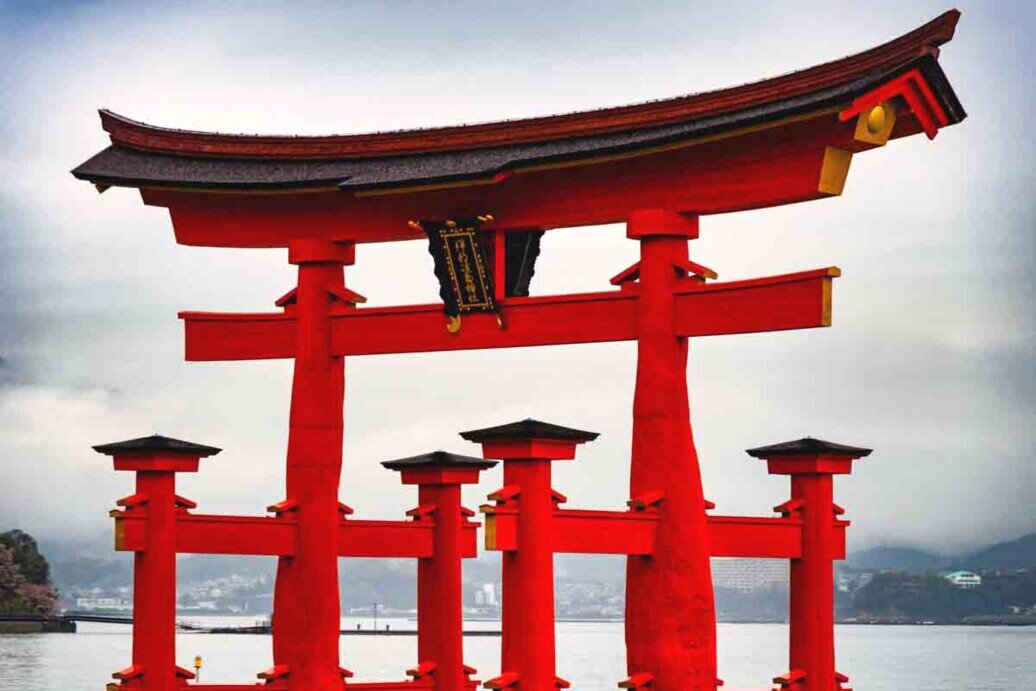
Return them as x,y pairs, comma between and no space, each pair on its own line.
657,167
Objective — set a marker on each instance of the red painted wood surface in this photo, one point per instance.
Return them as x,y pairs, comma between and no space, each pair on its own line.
527,645
885,57
634,533
211,534
440,603
154,584
670,612
791,301
756,170
306,610
811,618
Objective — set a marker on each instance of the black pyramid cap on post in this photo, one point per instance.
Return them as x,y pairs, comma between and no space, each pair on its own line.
438,459
157,443
808,446
529,429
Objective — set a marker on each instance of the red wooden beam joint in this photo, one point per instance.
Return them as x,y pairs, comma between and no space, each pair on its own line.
792,301
912,87
633,532
507,680
260,535
794,680
641,680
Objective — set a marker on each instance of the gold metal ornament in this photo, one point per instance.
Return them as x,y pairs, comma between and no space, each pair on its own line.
876,119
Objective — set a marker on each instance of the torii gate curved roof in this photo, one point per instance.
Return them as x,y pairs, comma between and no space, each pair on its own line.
600,155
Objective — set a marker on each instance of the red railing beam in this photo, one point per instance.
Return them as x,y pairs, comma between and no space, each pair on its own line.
791,301
259,535
633,532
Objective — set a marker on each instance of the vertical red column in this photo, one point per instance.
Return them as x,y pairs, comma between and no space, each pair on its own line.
812,463
670,612
307,610
527,448
439,476
156,460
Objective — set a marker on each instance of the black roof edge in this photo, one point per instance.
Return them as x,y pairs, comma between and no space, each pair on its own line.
157,443
435,459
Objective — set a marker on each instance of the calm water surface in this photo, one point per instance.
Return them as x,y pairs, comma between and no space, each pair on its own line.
590,655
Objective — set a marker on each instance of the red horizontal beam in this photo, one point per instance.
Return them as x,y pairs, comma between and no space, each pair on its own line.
259,535
780,164
633,532
790,301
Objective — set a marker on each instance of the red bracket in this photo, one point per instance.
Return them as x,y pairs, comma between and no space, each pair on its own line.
421,511
790,507
557,497
507,680
683,268
641,680
913,88
274,673
283,506
345,510
132,501
648,500
184,503
792,679
131,672
421,671
337,293
505,494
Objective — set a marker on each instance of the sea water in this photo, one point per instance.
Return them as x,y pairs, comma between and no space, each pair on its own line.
590,655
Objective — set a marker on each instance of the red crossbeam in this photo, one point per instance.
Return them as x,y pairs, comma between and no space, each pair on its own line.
633,532
791,301
258,535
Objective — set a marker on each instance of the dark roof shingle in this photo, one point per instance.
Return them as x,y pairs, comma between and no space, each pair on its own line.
808,446
529,429
438,459
157,443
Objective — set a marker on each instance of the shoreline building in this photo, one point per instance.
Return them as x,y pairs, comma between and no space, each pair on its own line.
965,580
750,575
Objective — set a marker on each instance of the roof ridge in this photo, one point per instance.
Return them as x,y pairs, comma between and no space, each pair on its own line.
142,136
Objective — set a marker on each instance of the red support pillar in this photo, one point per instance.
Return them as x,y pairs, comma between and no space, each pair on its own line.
812,463
307,612
156,460
670,611
439,476
527,448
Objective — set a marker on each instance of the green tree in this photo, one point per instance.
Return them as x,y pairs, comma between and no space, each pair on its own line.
26,553
18,595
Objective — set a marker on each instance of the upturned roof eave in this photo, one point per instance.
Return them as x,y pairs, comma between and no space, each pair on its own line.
147,169
923,41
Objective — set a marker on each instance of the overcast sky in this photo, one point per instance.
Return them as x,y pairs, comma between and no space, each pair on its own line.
930,360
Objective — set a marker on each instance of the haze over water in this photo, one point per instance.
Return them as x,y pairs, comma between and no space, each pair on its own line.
590,655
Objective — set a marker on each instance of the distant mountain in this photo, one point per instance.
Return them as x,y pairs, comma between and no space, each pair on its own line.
1014,554
908,559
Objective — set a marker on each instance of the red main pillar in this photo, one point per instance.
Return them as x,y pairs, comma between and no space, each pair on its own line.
670,611
306,611
439,476
812,463
156,460
527,449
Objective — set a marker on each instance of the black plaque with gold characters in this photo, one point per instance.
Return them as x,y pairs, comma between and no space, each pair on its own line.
465,283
